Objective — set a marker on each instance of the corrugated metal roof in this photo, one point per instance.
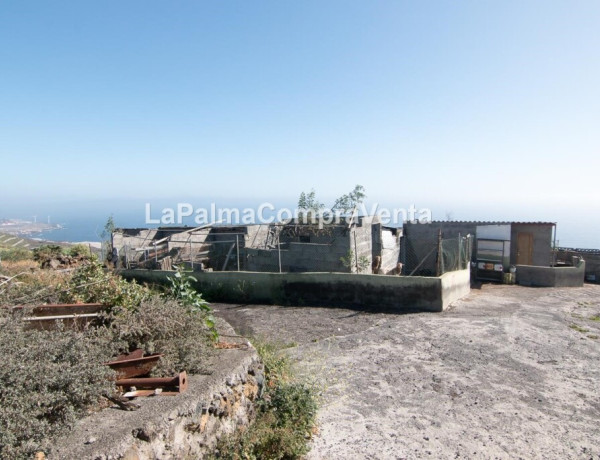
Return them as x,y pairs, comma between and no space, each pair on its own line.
580,250
481,222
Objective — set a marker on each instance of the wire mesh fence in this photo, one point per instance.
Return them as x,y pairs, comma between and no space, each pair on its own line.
428,257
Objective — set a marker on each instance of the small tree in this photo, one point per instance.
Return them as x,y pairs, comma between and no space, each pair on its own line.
106,236
351,262
308,205
347,203
181,289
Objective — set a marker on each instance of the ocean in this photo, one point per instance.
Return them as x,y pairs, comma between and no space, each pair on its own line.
85,222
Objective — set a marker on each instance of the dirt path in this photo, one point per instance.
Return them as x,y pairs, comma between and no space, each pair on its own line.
509,372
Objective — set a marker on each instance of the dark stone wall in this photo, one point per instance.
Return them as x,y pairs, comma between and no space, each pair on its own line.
529,275
367,292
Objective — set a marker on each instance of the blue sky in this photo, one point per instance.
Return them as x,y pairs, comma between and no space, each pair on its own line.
462,106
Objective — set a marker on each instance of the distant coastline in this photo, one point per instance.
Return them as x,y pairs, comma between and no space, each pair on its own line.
20,227
39,233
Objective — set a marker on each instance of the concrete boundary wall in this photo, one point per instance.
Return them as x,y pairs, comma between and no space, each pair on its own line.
455,286
368,292
529,275
592,261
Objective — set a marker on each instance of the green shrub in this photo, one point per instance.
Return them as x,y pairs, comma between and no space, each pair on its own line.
49,378
91,283
295,406
286,415
182,290
46,252
264,440
15,254
78,250
277,365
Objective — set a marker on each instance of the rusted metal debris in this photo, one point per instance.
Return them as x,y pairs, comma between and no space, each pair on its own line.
175,385
134,364
122,402
130,367
140,393
137,353
44,317
146,393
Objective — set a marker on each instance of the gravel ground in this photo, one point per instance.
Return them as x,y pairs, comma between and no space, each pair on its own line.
508,372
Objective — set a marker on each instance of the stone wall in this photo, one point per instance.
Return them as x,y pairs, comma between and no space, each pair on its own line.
364,291
455,286
529,275
134,237
299,257
592,261
322,253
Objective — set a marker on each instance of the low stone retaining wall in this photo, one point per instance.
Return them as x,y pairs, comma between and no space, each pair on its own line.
455,286
592,261
529,275
369,292
173,427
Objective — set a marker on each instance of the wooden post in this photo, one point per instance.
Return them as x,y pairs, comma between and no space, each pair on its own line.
459,267
279,251
237,245
355,252
438,269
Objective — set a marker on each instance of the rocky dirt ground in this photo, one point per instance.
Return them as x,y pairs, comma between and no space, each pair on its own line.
508,372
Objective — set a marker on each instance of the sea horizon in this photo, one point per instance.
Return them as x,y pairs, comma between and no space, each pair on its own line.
575,228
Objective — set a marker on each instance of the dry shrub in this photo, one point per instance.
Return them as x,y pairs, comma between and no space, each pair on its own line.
165,326
31,283
13,268
48,379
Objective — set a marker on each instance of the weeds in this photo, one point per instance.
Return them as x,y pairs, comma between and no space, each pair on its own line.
181,289
351,262
286,415
578,328
91,283
15,254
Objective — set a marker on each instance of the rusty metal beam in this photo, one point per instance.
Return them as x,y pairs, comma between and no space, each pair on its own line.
179,381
